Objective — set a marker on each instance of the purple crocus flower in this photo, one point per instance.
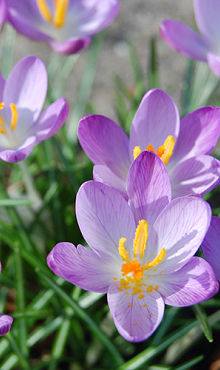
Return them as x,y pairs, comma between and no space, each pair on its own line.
22,97
183,146
142,251
5,320
204,46
211,245
67,25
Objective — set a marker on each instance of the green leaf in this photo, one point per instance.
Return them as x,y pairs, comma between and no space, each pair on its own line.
203,320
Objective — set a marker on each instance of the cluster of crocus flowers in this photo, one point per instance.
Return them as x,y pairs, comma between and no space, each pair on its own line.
183,146
67,25
22,98
142,251
204,46
5,321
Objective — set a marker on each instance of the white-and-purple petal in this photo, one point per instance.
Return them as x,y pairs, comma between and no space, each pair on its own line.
83,267
136,319
193,283
148,187
211,245
156,118
179,229
104,217
105,143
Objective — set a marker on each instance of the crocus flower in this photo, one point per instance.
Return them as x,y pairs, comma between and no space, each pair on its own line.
142,251
183,146
5,320
2,12
22,97
211,245
204,46
67,25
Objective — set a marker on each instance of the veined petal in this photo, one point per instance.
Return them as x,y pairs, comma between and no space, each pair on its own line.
199,132
179,229
211,246
104,218
105,143
207,19
83,267
5,324
50,120
103,174
196,175
148,187
214,63
192,284
135,318
156,118
26,86
71,46
183,39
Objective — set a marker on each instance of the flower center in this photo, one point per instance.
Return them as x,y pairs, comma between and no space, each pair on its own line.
14,118
59,17
164,151
132,269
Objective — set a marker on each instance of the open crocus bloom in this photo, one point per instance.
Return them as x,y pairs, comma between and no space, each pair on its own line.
204,47
66,24
21,100
142,251
211,245
5,321
182,146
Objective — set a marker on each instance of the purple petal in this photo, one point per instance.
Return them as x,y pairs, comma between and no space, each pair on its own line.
207,19
214,63
196,175
183,39
50,120
71,46
105,175
179,229
5,324
2,12
211,246
25,21
2,86
105,143
136,319
104,218
148,187
192,284
26,85
83,267
156,118
93,17
13,156
199,132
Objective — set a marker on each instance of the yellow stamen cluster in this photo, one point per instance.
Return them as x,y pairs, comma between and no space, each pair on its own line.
14,118
59,18
164,151
132,269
